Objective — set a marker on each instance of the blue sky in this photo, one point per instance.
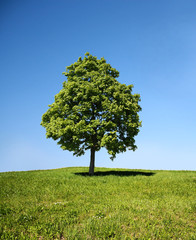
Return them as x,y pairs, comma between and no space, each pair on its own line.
151,43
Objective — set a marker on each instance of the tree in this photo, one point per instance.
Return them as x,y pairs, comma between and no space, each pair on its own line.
93,110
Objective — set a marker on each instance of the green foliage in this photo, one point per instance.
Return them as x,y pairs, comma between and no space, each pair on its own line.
93,110
114,204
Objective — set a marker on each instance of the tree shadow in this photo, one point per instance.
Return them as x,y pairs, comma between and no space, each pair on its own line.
117,173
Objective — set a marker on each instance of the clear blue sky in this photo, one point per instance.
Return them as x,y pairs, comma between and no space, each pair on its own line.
151,43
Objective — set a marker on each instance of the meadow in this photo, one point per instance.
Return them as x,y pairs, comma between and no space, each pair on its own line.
114,204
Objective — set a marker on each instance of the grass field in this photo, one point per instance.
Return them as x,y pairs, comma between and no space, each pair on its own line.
113,204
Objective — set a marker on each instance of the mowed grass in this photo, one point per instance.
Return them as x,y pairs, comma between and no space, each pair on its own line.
113,204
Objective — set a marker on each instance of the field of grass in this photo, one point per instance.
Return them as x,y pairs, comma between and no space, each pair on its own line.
113,204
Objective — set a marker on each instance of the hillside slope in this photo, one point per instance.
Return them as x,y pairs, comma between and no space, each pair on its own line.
114,204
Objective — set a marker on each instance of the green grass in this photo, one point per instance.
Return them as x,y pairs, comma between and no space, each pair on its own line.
113,204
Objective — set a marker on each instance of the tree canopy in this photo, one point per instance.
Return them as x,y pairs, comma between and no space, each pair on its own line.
93,110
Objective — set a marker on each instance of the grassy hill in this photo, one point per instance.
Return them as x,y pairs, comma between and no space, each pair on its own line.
114,204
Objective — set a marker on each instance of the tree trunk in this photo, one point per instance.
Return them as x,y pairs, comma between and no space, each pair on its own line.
92,162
